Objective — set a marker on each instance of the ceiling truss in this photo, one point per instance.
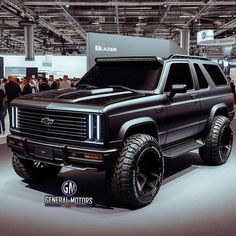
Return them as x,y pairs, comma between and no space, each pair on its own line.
61,26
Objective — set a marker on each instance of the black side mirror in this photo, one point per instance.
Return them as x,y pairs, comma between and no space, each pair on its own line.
177,88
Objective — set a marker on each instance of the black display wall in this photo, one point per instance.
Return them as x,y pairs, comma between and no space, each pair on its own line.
32,72
1,67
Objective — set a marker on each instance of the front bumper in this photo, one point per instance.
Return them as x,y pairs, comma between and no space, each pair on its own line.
63,155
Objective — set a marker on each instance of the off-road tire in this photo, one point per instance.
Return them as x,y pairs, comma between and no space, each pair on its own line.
33,171
137,175
219,142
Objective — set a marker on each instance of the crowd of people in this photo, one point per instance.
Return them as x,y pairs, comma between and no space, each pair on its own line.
12,87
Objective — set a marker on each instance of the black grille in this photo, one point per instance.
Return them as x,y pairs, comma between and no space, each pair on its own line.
65,125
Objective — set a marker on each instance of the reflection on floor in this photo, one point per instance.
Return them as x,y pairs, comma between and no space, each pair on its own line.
4,134
194,200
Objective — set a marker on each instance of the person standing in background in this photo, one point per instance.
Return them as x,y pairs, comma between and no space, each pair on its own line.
27,89
232,85
54,84
2,113
13,91
44,85
2,86
65,82
18,81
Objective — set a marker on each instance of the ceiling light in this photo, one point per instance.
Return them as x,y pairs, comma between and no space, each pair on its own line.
141,24
141,17
165,5
67,5
185,16
180,24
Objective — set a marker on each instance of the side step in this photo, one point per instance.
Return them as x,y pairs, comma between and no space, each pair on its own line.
181,148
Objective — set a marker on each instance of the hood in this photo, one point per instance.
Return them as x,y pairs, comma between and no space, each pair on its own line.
89,96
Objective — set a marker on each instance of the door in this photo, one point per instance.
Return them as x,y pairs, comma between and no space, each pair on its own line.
184,108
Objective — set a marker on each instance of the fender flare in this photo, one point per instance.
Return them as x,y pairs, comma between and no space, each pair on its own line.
216,108
128,125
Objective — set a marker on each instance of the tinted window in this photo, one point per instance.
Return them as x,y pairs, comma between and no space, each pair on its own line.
138,76
179,73
216,75
201,78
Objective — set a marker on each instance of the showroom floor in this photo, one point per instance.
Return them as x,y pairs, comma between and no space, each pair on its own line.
194,200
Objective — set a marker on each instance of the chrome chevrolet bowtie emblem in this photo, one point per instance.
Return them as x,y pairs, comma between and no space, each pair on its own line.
47,121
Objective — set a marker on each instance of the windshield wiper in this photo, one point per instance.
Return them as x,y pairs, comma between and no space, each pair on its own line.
124,88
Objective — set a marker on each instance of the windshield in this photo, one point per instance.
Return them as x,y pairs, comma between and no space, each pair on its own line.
134,77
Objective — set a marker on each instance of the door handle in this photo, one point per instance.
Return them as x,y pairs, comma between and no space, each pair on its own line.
194,95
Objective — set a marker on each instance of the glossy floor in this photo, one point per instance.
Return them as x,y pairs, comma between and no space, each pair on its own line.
194,200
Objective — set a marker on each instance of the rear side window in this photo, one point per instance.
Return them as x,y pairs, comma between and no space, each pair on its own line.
201,78
216,75
179,73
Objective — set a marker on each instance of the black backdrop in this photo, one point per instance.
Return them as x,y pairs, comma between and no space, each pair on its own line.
32,71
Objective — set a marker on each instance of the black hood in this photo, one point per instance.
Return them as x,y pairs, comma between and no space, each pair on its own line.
89,96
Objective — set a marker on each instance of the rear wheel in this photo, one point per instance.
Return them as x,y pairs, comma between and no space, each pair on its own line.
138,173
31,170
219,142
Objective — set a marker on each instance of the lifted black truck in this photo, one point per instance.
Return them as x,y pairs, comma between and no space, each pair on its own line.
125,116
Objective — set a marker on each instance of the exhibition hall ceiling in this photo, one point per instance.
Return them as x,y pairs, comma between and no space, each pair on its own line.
64,24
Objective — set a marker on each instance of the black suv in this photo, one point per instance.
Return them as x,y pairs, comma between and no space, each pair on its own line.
125,116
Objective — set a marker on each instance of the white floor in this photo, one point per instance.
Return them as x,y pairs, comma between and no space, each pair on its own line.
194,200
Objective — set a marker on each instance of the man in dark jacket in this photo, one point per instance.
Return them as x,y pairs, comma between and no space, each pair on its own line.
44,85
2,115
12,91
27,87
54,84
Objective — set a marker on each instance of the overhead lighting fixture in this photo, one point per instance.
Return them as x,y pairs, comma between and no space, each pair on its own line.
185,16
138,8
226,16
67,5
141,24
165,5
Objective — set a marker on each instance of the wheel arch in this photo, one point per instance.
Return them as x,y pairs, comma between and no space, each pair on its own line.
217,110
144,125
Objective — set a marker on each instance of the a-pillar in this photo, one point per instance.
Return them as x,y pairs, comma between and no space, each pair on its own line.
184,40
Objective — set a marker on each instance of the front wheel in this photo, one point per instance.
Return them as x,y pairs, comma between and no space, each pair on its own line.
137,175
31,170
219,142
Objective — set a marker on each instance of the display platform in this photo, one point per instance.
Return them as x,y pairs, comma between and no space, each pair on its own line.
195,199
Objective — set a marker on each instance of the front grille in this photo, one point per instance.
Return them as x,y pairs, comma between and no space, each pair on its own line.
64,125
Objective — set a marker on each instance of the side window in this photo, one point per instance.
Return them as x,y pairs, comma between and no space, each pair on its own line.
215,74
201,78
179,73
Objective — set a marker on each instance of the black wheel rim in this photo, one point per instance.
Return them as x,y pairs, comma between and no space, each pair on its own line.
149,171
226,141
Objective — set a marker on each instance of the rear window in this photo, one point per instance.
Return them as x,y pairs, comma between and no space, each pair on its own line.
215,74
